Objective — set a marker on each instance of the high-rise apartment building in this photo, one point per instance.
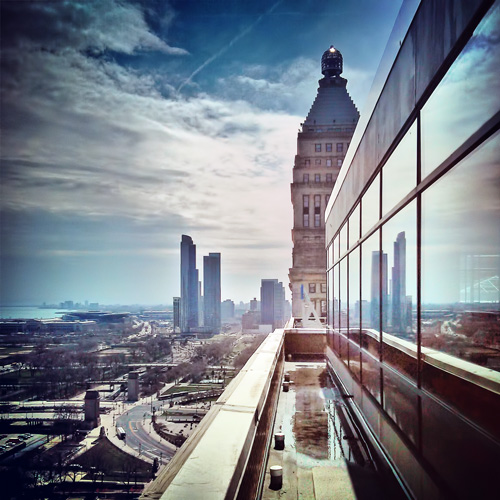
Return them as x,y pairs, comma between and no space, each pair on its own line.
227,309
272,303
189,285
211,292
321,147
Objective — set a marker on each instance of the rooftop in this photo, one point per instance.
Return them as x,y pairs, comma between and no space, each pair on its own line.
323,457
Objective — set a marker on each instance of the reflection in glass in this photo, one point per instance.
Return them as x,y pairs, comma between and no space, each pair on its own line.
336,248
354,296
401,404
399,243
343,240
369,283
335,296
354,227
330,297
461,104
355,359
461,259
343,296
370,210
371,374
399,174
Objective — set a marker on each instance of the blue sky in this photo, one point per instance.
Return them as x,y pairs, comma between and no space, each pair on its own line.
126,124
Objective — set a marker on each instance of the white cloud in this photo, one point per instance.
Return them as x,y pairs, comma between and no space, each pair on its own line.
91,139
96,25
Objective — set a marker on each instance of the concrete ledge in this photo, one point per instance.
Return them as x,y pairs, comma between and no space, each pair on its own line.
211,463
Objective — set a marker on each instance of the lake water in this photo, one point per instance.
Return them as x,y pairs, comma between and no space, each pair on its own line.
29,312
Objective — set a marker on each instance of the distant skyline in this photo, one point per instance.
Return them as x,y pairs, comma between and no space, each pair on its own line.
127,124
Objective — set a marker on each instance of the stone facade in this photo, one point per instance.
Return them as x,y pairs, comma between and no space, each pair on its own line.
321,147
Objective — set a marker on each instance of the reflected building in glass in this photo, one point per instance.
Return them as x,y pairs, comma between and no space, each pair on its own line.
412,229
378,287
398,288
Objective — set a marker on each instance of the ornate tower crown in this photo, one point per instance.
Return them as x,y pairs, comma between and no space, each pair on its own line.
332,62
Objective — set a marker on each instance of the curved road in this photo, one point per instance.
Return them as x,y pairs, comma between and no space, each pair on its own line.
137,425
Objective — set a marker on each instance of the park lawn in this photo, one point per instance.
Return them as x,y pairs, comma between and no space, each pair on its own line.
194,387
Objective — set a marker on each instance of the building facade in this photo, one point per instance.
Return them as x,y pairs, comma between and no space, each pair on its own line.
321,147
227,309
413,246
189,285
177,314
272,303
211,292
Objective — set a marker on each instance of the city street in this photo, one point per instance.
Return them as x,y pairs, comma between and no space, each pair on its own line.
140,434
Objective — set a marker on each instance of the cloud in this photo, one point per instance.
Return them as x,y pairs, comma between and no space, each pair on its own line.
93,25
96,161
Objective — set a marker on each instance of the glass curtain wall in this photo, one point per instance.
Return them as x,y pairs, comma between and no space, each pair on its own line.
416,265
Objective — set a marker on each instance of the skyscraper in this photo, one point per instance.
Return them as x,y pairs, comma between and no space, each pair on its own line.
376,288
321,147
227,309
272,303
211,292
398,293
189,285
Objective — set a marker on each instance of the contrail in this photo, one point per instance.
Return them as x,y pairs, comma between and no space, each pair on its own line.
228,46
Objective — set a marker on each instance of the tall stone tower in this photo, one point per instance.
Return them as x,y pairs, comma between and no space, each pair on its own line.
321,147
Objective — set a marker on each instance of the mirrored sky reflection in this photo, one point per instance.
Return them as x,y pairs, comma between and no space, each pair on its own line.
126,124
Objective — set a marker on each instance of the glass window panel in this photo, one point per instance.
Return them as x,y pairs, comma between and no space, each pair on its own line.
330,255
336,297
370,342
461,259
343,349
399,245
399,174
465,457
370,212
343,295
371,374
401,404
343,240
354,296
354,227
370,276
355,359
336,248
330,297
467,97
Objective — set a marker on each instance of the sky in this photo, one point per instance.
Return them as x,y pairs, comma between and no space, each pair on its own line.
126,124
